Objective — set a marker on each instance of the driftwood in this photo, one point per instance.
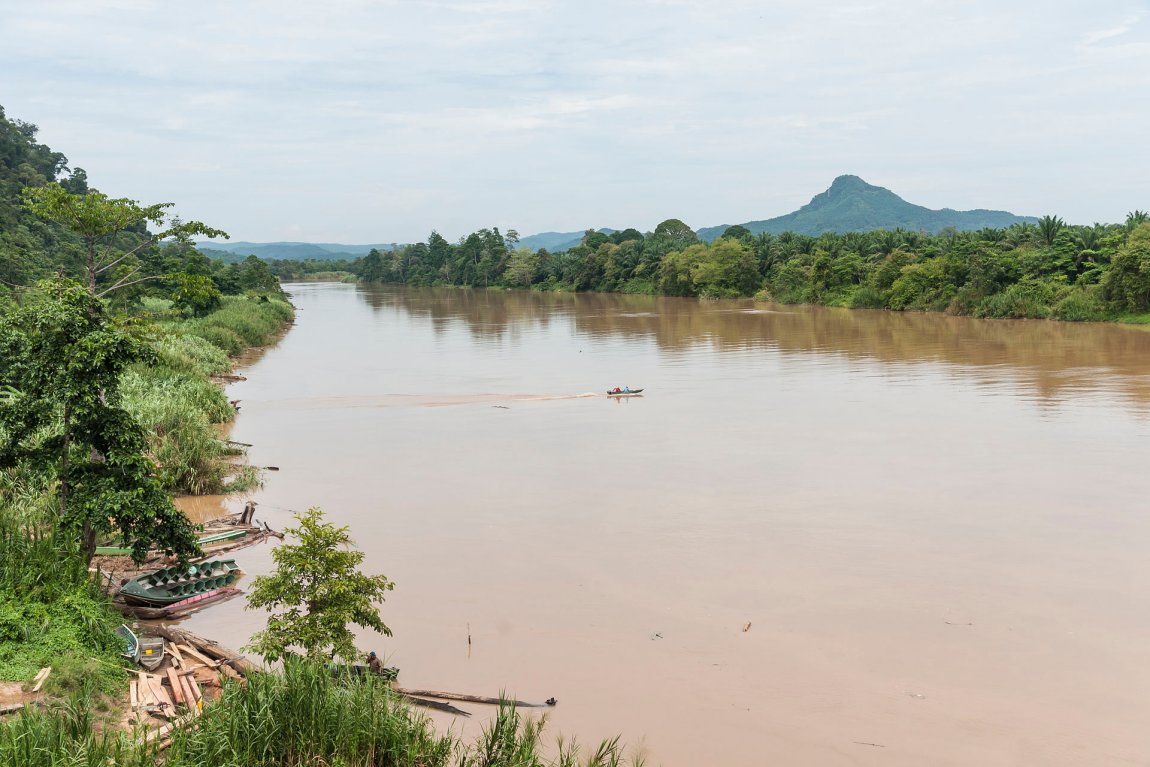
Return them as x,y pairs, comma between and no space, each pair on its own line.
10,708
447,708
470,698
207,647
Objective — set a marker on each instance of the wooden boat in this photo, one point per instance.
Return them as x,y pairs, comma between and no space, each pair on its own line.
390,673
224,536
147,651
624,393
176,584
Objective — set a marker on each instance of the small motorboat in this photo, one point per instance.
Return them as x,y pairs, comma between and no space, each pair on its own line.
623,392
177,584
147,651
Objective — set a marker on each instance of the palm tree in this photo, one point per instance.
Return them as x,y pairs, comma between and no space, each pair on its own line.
1136,218
1048,229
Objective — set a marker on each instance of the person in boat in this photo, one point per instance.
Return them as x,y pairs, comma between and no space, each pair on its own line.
374,664
626,389
618,390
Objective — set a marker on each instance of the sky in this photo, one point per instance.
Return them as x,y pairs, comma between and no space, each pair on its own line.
355,121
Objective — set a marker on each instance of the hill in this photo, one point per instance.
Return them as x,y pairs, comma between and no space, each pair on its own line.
853,205
296,251
557,242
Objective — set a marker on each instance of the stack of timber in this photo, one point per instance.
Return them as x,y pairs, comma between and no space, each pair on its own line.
191,676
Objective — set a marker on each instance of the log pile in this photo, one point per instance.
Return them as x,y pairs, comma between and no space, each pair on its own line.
192,674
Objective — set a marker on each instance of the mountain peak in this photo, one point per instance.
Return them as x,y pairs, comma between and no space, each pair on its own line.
848,183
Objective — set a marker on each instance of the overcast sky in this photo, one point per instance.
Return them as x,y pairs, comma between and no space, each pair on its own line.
378,121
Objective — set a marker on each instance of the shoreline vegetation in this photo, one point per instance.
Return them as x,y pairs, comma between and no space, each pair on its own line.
1048,270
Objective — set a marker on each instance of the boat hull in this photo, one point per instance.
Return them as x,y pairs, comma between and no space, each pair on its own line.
632,393
175,584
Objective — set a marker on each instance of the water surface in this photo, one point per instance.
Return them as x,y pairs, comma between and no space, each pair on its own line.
935,527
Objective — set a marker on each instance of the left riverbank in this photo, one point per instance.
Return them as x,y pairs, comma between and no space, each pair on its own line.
54,609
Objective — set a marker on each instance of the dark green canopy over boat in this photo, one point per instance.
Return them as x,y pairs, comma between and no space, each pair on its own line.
174,584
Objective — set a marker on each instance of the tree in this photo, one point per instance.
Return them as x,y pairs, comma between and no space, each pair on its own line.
1128,282
523,267
1048,229
98,218
63,357
196,294
315,593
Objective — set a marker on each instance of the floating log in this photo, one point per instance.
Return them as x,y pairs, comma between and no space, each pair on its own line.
469,698
447,708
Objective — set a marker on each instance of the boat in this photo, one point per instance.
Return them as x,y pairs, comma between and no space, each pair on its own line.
147,651
389,673
624,393
224,536
176,584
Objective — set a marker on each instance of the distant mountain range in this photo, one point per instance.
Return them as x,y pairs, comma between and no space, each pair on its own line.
849,205
298,251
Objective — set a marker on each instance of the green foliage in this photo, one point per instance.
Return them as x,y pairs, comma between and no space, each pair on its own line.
196,294
65,356
52,611
1082,303
1028,299
1127,284
316,592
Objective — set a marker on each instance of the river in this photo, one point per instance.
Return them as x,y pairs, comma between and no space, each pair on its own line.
820,537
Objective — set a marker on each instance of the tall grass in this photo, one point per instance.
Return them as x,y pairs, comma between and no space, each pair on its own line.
65,737
306,716
300,718
242,322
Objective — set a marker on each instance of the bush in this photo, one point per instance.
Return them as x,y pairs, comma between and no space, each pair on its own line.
867,297
1081,304
1027,299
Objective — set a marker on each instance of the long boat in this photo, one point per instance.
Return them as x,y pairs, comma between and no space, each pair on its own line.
624,393
176,584
224,536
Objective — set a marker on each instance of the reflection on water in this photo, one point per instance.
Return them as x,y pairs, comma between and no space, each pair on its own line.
1056,359
935,528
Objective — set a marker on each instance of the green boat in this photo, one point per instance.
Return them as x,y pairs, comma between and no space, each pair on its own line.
224,536
175,584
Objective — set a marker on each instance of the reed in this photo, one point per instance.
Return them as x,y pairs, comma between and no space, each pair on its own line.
242,322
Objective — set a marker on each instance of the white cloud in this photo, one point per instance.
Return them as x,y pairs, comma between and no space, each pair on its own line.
402,117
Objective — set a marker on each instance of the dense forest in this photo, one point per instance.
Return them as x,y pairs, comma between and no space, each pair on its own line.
1048,269
33,247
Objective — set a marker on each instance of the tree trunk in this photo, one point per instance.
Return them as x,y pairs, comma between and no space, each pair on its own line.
64,467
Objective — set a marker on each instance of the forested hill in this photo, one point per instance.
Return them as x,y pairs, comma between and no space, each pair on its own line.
853,205
296,251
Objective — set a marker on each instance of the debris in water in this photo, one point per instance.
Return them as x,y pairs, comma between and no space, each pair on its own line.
747,627
656,636
864,743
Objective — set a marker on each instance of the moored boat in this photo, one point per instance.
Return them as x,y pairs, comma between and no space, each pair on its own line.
176,584
147,651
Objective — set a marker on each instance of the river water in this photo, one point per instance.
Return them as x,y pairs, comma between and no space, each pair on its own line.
820,537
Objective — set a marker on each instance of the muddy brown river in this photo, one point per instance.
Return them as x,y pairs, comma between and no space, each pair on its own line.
820,537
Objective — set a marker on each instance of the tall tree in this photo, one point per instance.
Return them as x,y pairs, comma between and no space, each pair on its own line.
98,218
61,360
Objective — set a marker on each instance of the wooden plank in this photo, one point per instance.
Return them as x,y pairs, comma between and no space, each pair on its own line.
189,696
177,689
174,651
161,696
134,692
196,689
41,678
196,655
